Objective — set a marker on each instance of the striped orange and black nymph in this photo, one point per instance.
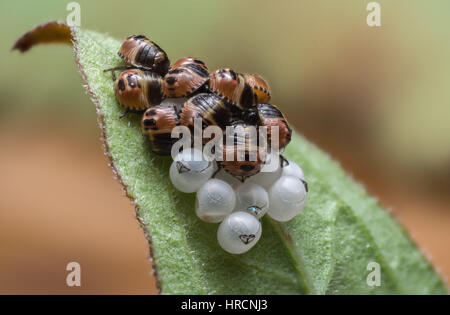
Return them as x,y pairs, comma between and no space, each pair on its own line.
185,77
243,139
207,107
270,116
141,52
157,123
137,89
259,86
231,86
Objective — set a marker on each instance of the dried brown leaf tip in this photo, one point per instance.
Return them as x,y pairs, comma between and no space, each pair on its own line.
51,32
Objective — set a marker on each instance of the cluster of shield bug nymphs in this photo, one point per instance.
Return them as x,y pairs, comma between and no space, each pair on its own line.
234,191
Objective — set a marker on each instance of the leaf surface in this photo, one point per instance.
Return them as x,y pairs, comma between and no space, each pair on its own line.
324,250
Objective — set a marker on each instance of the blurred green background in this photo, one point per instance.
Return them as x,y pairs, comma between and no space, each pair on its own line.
376,98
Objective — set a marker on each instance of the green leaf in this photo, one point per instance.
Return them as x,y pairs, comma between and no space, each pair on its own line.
324,250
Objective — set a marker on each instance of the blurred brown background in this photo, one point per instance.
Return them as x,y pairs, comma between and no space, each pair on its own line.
377,99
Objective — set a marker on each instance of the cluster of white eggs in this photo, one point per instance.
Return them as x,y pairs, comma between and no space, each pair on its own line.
239,206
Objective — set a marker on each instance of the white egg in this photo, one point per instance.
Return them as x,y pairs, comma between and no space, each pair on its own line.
252,198
287,197
190,170
215,200
239,232
292,169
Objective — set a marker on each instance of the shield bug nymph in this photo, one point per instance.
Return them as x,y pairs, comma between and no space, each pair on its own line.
137,90
270,116
232,87
243,157
208,107
259,86
157,123
141,52
185,77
